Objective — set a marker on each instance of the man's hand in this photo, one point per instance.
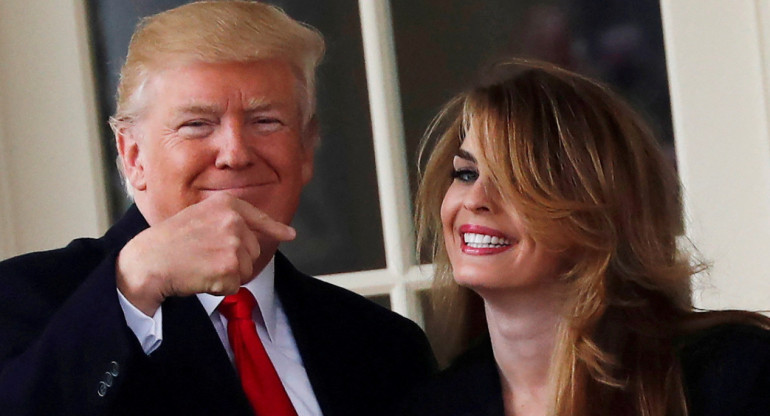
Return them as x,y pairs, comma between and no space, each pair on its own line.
209,247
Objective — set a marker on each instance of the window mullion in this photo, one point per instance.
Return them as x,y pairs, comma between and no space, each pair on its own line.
389,149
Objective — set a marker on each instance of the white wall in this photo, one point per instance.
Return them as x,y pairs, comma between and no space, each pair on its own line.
718,75
52,186
7,237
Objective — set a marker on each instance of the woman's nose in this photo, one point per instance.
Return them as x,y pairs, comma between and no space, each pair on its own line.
479,197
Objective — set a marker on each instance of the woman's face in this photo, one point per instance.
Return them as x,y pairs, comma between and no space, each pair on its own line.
488,245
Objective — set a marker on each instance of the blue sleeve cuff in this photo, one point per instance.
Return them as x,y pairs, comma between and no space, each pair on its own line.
148,330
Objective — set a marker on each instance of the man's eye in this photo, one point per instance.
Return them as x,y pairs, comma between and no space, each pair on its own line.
267,121
267,124
195,128
465,175
196,123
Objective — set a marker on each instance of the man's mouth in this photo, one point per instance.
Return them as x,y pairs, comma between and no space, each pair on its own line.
231,187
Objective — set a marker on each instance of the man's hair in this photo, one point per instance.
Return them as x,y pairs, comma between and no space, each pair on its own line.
213,32
218,31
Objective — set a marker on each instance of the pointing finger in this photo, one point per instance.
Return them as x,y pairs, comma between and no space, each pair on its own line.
261,223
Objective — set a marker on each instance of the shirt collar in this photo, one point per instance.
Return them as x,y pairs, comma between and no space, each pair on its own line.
263,289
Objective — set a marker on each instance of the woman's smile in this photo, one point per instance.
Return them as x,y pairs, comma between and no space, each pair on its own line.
480,240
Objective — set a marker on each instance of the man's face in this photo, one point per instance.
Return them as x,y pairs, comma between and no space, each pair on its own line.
219,127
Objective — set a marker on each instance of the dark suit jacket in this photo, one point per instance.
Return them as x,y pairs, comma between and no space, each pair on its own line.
726,373
65,348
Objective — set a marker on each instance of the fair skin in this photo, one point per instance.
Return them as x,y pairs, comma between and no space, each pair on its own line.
492,253
217,163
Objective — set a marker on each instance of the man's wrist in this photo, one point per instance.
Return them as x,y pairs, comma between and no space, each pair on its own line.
137,288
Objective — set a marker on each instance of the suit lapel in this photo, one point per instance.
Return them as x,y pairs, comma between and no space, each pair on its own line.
195,363
129,225
316,340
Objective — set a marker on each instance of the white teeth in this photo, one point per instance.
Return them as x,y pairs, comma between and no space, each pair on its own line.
476,240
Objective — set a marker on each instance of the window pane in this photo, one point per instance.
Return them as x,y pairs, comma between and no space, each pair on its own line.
382,300
338,221
441,45
450,338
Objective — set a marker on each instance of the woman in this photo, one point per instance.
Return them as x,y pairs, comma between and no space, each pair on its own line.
549,198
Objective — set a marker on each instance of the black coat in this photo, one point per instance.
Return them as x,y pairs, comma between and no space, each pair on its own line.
726,373
65,347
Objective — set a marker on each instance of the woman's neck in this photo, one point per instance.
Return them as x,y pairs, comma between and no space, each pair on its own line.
522,327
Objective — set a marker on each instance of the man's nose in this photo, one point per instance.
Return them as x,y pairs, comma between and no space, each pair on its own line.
234,150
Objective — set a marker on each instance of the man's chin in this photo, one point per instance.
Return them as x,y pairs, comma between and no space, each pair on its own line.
246,193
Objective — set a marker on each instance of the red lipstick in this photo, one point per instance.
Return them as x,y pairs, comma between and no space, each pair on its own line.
483,251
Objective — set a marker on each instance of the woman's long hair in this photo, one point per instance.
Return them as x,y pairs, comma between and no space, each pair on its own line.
589,178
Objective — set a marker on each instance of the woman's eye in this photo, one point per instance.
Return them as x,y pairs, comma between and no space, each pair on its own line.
465,175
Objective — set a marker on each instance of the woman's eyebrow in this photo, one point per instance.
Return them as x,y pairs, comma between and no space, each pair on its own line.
464,154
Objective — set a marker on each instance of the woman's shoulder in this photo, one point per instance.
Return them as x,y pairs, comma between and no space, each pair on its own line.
728,344
469,386
726,370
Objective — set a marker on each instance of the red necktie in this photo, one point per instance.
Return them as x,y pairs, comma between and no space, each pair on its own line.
258,376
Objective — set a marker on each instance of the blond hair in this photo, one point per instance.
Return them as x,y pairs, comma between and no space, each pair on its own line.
218,31
589,178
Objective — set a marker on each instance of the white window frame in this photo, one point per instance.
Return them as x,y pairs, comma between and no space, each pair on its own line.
403,276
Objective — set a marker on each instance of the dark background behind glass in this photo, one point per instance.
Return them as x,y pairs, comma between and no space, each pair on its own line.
442,44
338,221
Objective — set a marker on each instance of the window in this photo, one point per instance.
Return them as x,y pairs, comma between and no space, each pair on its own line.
388,69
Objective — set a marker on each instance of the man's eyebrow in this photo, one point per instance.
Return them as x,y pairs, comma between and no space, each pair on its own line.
199,109
258,104
253,105
464,154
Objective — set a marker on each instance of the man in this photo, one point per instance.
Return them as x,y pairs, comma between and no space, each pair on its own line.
215,130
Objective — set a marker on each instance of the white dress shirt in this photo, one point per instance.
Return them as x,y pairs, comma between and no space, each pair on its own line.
272,327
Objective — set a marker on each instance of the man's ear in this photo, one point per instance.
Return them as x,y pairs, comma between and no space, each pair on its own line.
307,166
130,156
310,139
